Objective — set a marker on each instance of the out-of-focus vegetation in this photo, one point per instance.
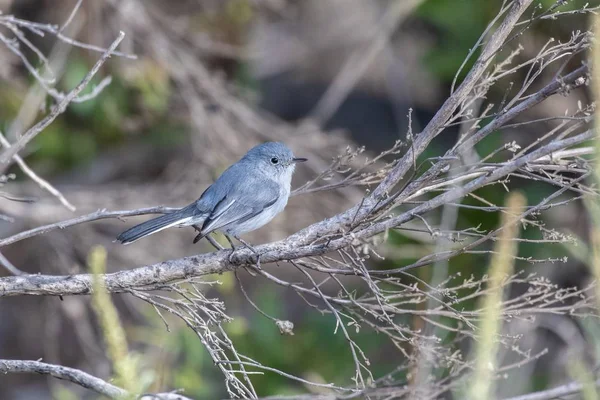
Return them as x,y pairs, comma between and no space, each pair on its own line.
141,107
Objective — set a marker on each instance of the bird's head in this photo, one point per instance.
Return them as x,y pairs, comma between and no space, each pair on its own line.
273,158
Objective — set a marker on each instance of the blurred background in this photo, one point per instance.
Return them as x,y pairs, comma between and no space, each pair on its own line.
213,78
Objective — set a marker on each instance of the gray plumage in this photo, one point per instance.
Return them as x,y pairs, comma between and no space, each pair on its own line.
248,195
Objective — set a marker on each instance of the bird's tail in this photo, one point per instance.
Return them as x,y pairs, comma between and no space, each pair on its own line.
156,225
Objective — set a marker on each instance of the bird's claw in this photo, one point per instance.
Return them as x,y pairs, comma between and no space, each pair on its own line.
230,257
256,264
257,254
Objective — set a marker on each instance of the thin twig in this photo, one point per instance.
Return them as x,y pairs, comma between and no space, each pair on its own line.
71,16
37,179
32,132
95,216
5,262
554,393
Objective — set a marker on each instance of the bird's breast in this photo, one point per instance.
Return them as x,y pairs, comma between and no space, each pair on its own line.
265,216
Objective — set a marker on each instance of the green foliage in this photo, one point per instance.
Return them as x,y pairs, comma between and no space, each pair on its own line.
459,24
86,129
124,363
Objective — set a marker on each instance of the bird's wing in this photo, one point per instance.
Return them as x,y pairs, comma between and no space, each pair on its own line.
243,202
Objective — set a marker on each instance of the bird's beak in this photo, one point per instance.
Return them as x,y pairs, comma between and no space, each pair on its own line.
299,159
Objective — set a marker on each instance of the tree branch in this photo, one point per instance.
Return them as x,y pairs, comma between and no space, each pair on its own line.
294,247
80,378
445,112
10,152
554,393
37,179
68,374
435,126
95,216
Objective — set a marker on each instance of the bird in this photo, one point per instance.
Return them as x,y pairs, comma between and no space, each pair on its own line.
247,196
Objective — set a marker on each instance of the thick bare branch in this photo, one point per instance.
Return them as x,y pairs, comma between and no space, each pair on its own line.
293,247
80,378
69,374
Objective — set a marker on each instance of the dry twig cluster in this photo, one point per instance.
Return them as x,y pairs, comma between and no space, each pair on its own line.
335,256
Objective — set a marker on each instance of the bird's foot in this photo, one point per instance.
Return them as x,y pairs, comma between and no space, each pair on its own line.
252,249
230,257
249,268
247,245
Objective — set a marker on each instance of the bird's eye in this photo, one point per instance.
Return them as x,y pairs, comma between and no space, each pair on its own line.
274,160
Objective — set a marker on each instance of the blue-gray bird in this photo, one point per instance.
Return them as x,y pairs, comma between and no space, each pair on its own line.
248,195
